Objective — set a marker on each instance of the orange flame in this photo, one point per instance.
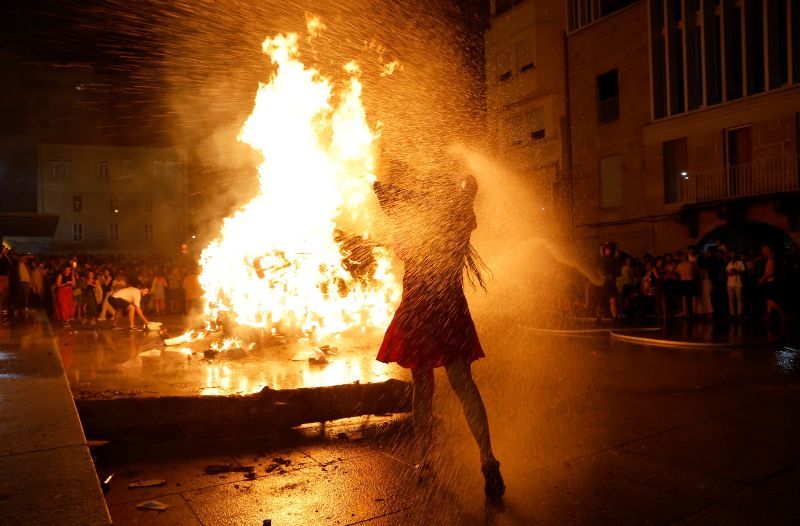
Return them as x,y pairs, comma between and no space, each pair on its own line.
276,261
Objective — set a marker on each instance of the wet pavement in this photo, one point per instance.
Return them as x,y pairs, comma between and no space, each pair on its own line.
46,472
588,430
693,334
103,363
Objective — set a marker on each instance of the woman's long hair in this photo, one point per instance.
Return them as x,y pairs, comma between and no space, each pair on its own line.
475,267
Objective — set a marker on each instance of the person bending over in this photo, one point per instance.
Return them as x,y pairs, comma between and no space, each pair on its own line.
128,302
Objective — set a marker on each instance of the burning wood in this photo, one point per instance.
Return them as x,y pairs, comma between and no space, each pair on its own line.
283,260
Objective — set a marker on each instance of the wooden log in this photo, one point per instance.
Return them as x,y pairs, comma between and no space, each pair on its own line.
270,410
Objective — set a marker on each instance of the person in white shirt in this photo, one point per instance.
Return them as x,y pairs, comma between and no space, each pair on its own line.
735,269
24,282
128,301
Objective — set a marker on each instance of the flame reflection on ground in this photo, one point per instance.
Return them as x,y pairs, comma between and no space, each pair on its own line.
111,364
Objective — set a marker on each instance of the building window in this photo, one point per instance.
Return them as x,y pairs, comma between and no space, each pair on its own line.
524,55
501,6
713,30
676,169
77,203
611,181
584,12
505,66
675,63
148,232
113,205
77,232
754,44
113,232
103,171
66,167
148,203
795,40
738,159
726,50
127,168
54,170
732,22
608,97
778,42
525,127
694,67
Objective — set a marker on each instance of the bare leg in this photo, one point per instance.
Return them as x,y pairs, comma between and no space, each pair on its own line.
773,306
422,403
460,376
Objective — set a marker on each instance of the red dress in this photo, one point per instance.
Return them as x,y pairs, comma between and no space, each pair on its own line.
65,307
432,327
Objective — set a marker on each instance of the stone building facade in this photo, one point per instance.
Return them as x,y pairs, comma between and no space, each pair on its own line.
114,198
525,89
682,120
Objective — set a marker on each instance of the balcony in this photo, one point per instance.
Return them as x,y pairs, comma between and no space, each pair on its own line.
608,110
761,177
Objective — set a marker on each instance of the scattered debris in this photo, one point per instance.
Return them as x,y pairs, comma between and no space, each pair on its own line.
278,462
216,469
210,354
105,484
328,350
149,483
189,337
153,505
318,358
151,352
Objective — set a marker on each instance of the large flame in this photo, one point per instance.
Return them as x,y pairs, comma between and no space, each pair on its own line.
278,262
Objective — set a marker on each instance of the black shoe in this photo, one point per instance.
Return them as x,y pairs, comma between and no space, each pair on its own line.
495,487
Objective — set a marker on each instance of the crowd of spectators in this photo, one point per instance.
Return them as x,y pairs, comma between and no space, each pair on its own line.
76,288
719,283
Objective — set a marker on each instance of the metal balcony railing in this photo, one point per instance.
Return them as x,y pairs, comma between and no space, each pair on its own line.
608,110
764,176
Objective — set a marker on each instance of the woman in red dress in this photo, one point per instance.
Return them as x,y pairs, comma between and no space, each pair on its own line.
64,305
433,326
